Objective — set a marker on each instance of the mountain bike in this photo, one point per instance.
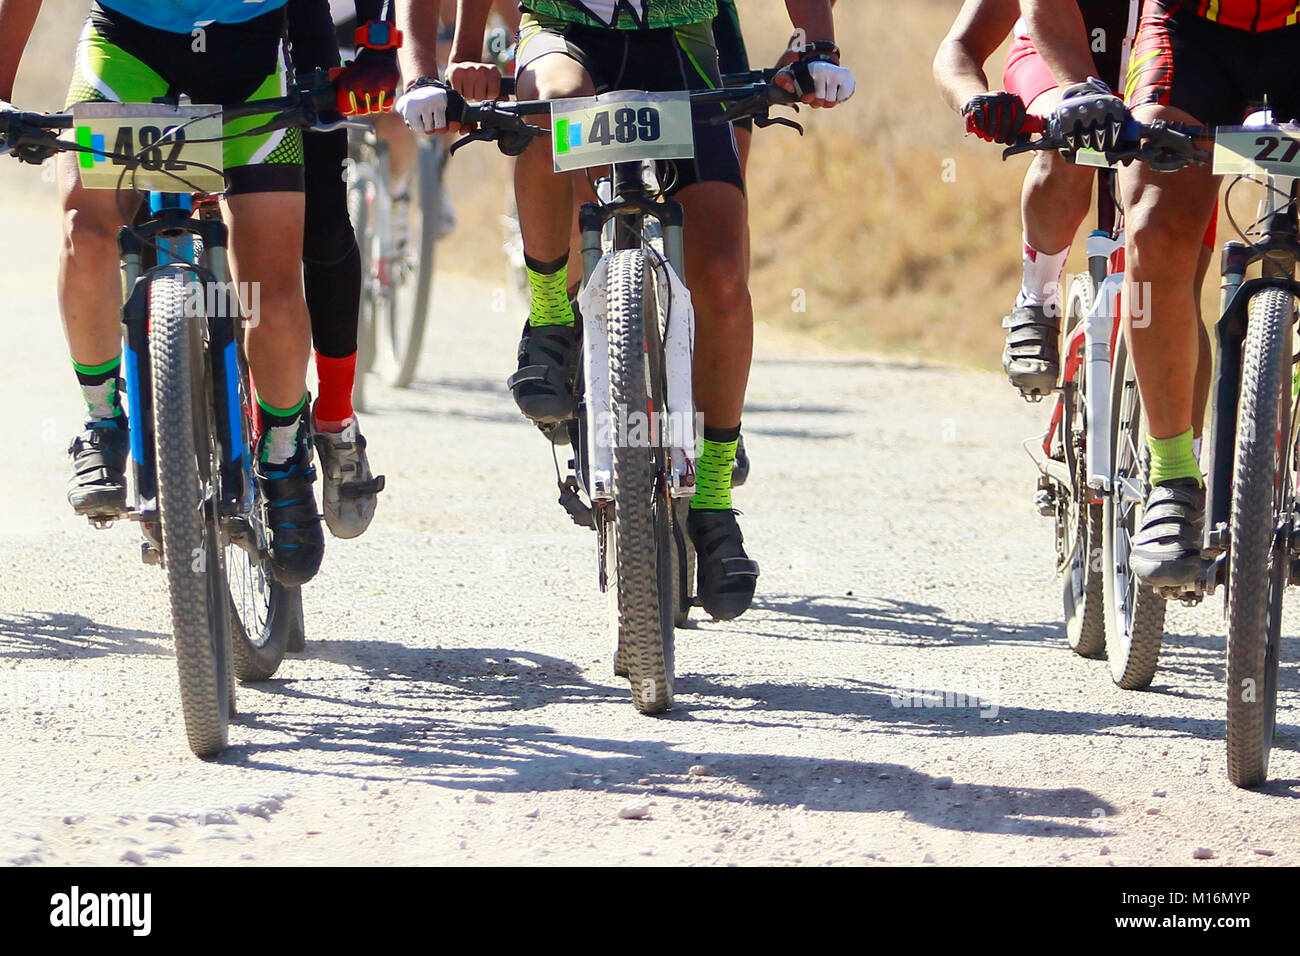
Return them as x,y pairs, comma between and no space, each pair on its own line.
188,397
1090,459
633,438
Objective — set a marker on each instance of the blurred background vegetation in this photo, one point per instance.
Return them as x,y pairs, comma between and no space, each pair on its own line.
891,255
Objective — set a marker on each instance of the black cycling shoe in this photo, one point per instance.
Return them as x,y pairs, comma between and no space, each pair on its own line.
548,366
1167,546
740,467
293,523
97,488
1031,357
726,574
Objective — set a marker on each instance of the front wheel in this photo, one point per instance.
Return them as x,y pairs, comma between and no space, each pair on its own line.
1135,614
1258,564
185,446
1079,520
646,592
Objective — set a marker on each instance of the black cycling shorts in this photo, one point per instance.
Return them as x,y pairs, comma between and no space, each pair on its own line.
659,61
732,55
1217,74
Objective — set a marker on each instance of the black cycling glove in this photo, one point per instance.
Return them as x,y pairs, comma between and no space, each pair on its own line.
1091,116
996,117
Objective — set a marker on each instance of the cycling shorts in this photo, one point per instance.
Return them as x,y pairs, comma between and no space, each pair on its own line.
120,60
732,55
662,60
1217,74
1027,74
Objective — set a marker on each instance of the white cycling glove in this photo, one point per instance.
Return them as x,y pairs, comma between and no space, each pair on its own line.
832,83
424,108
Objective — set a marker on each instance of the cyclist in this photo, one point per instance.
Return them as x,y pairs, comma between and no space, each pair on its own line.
1201,64
566,49
331,262
217,51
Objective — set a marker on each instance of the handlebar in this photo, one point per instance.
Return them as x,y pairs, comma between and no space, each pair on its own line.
33,138
1163,146
750,95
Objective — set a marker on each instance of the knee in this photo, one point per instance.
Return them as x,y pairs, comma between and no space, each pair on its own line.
88,235
720,289
1164,241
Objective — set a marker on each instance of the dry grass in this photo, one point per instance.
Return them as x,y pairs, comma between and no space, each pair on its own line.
856,213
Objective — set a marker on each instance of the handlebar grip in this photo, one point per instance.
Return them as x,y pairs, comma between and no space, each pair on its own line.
1034,124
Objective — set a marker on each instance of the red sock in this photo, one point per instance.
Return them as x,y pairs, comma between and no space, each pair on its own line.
334,397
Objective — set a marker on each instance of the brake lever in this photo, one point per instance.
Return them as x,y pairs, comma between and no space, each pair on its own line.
1026,146
763,121
484,134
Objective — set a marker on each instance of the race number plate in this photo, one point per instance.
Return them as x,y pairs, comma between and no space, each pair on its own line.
621,127
1242,150
154,143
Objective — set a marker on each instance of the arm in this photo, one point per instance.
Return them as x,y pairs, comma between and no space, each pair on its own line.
814,23
467,74
418,21
978,31
16,20
1061,38
508,11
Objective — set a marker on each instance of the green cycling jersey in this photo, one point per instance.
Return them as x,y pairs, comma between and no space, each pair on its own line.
626,14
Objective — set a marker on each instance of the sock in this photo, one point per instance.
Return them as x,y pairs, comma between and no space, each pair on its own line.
1041,282
101,387
280,436
549,283
713,468
334,397
1173,458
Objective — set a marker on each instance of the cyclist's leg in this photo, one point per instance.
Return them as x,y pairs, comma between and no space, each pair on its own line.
1054,201
265,210
549,68
1176,76
89,286
713,200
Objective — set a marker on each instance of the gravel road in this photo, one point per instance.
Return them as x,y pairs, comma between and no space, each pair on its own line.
456,702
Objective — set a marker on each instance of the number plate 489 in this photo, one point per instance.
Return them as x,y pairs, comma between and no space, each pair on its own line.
1241,150
619,127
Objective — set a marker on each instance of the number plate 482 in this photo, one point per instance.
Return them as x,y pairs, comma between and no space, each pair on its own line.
1240,150
153,142
619,127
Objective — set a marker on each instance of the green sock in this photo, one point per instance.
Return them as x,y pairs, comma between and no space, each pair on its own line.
550,299
1173,458
713,474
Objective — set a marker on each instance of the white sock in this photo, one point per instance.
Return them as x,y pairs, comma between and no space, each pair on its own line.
1041,284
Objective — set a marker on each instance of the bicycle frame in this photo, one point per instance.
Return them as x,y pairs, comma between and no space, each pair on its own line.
1088,349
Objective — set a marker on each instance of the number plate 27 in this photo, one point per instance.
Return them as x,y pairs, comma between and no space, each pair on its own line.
621,127
1257,149
153,142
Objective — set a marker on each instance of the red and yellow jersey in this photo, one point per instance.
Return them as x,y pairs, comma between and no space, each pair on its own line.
1254,15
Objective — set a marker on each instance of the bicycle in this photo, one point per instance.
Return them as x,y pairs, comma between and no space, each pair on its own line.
633,438
188,390
1251,540
1091,446
396,237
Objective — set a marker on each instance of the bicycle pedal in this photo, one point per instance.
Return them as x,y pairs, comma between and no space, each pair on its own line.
101,522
